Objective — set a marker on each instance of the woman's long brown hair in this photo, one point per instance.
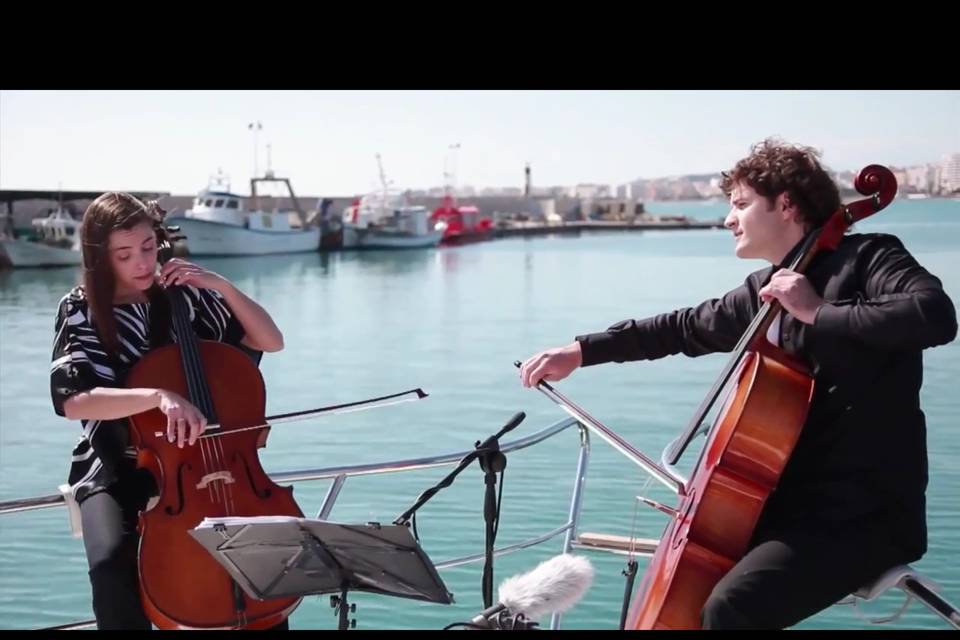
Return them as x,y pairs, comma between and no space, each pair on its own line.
111,212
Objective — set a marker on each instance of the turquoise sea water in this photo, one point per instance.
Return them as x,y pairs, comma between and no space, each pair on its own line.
452,321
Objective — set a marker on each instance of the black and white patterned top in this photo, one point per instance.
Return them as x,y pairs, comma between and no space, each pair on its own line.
103,454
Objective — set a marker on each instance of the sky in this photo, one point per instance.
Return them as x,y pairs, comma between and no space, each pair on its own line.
326,142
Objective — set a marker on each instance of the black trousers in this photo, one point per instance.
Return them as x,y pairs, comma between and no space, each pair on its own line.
792,574
110,536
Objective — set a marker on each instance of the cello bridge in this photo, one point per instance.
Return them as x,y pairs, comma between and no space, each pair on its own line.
224,476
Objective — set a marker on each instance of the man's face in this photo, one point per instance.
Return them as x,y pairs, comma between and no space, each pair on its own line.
758,225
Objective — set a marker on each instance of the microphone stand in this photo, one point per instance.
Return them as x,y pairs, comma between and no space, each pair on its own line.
492,462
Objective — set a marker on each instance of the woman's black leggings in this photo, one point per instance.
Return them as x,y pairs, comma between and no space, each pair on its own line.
110,536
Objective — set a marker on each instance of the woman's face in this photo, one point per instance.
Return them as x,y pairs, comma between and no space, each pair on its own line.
133,256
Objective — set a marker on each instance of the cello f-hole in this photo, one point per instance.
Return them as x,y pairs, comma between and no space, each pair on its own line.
265,493
170,511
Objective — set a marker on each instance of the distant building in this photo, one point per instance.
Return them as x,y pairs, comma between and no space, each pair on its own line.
844,180
950,174
901,177
708,188
921,179
937,179
586,191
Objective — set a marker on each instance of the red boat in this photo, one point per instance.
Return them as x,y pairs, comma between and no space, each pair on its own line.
462,223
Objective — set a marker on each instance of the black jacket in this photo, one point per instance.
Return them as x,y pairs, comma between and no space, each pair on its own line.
862,452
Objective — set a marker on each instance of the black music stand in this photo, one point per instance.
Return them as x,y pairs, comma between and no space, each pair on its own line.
275,557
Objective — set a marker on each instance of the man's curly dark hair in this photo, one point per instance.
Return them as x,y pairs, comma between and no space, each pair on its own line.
774,167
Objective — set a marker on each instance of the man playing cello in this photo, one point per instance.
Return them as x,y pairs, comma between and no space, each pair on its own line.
850,503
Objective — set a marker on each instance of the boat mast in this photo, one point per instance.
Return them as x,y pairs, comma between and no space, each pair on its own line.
450,177
383,181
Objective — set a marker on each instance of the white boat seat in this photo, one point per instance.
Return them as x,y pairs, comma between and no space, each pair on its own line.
891,579
914,585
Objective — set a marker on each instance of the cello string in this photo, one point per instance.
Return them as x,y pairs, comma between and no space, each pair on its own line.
203,452
757,325
187,346
191,371
192,357
231,509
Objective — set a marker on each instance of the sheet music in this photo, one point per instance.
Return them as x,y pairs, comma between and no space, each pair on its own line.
279,556
233,521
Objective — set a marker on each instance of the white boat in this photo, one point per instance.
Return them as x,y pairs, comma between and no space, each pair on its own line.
382,220
403,227
220,224
57,243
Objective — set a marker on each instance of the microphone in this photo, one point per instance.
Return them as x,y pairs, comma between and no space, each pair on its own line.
512,424
494,440
554,586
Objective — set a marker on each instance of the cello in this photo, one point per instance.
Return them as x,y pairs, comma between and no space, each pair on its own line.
181,585
768,396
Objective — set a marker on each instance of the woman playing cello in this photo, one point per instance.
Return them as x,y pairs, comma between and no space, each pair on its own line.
103,328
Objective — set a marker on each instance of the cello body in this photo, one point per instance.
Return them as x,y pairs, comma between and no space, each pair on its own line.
181,584
742,461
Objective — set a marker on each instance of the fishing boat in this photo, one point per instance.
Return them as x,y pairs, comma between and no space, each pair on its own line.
54,243
384,220
223,223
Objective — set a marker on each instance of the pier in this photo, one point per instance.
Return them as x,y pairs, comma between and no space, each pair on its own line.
531,228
